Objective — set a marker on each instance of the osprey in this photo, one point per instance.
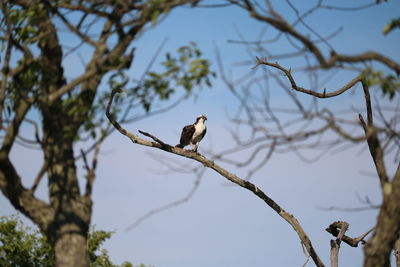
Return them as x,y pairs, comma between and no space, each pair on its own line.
192,134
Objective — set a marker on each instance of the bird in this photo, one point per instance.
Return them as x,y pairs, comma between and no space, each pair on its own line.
192,134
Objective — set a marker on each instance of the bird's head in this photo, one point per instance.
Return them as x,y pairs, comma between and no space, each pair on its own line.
201,117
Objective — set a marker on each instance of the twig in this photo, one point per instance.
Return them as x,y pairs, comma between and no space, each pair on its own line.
154,138
91,170
89,175
355,209
169,205
306,254
39,177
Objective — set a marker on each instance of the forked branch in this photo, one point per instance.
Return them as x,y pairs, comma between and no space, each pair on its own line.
335,244
271,17
351,241
371,135
373,142
157,143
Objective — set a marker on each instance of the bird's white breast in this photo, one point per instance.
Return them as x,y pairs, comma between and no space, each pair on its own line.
199,129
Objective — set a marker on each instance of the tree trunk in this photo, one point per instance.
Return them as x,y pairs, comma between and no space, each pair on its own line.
71,247
378,249
68,230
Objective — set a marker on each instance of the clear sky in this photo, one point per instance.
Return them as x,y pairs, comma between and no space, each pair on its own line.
225,225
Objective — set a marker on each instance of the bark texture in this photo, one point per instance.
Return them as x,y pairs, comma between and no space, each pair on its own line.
378,249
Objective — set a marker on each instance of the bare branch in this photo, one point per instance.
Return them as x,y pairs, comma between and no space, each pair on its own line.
294,86
22,198
169,205
305,254
353,242
231,177
4,79
91,170
372,139
21,110
69,86
356,209
354,8
74,29
274,19
154,138
335,244
39,177
300,19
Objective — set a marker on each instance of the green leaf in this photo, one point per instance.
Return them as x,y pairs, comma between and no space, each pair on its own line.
395,23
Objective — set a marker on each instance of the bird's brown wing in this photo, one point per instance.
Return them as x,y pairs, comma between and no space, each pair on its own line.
186,135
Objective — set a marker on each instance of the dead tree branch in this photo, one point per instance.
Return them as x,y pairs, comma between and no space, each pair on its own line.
372,138
294,86
335,244
274,19
230,176
353,242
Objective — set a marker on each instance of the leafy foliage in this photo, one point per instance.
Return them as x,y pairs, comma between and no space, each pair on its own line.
23,21
22,246
19,247
389,84
37,89
186,70
155,8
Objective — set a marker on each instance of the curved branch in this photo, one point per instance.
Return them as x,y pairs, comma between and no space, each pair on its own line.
230,176
294,86
20,197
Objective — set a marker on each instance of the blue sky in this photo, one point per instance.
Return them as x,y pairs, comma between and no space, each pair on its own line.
225,225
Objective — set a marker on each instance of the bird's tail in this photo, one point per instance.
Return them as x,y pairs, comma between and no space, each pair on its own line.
179,145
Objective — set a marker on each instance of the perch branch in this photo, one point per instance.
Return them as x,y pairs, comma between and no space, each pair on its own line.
231,177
